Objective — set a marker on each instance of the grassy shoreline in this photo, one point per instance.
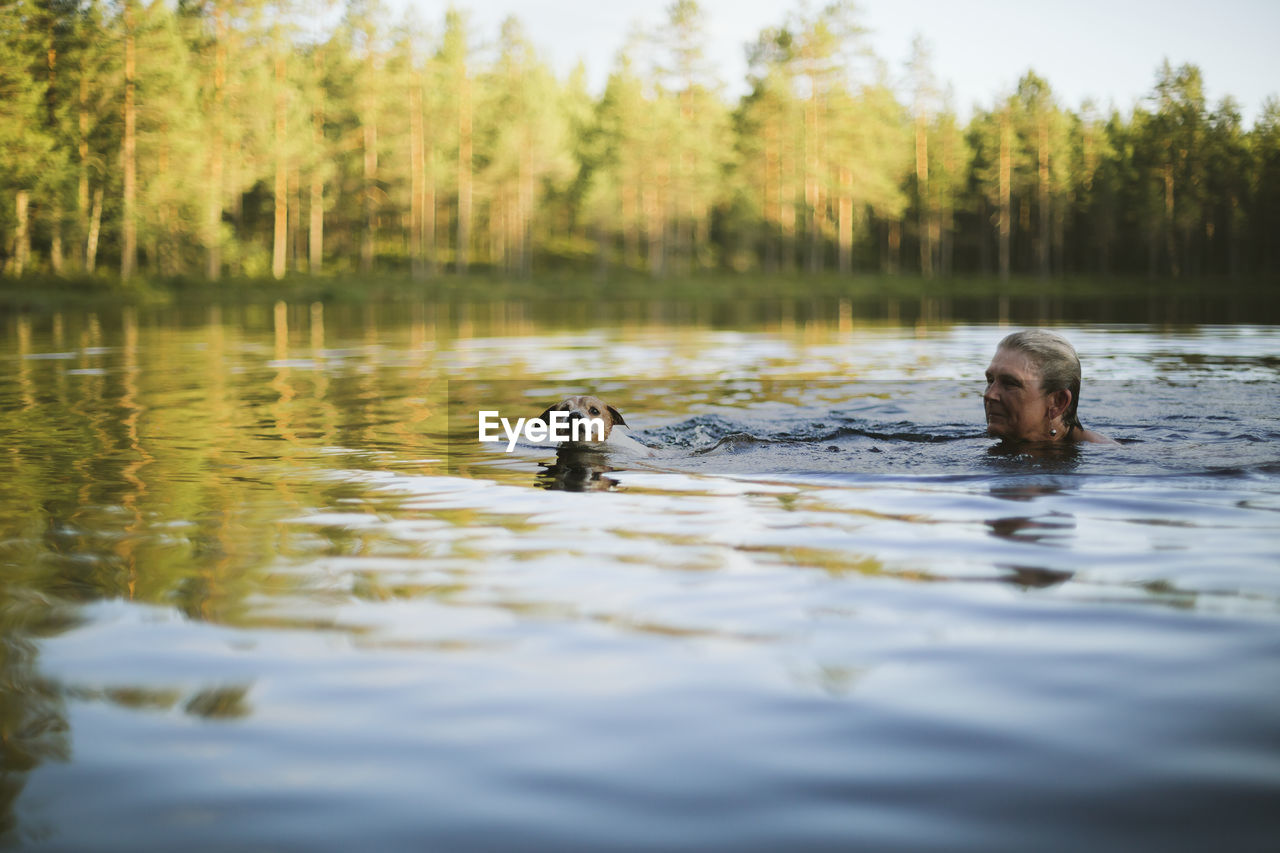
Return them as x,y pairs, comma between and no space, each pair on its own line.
43,292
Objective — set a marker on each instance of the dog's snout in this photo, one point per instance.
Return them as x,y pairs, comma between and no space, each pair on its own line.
576,416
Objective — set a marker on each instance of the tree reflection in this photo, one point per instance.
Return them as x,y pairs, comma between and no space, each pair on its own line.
33,718
156,460
1050,528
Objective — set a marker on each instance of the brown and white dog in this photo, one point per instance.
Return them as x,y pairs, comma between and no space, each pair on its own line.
588,408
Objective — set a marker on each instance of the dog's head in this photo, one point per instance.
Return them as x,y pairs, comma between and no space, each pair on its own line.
587,408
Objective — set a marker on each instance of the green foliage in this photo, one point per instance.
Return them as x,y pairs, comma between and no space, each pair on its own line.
263,148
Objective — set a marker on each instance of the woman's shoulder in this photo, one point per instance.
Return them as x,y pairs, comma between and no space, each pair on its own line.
1096,437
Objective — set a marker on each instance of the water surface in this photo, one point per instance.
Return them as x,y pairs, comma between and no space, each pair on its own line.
259,592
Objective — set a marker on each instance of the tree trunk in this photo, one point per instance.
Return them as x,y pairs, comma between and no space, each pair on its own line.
95,228
947,255
1022,215
281,232
922,197
812,189
630,233
1233,238
295,218
525,235
603,248
1104,255
128,225
844,225
416,170
1006,175
22,249
1153,250
213,205
82,189
55,239
895,246
816,222
315,204
1170,247
368,237
213,212
51,103
655,226
499,208
704,254
462,262
788,240
772,217
1043,248
237,206
160,244
984,236
787,205
429,220
946,213
1060,238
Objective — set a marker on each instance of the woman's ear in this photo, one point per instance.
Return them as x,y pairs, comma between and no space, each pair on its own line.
1059,402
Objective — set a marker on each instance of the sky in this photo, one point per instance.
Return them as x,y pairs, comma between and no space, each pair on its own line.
1107,50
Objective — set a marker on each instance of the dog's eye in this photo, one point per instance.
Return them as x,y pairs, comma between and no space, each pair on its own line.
594,410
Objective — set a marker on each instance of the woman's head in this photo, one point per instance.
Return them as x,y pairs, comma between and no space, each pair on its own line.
1033,386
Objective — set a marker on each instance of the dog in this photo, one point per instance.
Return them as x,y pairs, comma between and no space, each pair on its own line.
588,408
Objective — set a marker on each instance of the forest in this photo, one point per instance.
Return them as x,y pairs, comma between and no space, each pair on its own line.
215,139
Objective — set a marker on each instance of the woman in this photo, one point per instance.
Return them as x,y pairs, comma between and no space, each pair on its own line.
1033,389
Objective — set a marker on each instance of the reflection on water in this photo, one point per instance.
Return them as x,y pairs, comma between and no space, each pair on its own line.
577,471
250,564
33,720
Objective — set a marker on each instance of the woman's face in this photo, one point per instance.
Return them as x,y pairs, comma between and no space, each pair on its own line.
1016,408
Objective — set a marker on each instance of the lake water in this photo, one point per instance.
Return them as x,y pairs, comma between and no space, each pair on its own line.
263,589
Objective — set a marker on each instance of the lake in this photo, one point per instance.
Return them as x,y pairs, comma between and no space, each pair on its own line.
264,589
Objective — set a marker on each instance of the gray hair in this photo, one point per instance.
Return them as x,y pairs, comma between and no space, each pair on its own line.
1057,362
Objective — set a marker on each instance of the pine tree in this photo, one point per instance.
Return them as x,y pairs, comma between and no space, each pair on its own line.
768,122
526,146
456,78
1264,206
1228,164
27,144
618,162
692,130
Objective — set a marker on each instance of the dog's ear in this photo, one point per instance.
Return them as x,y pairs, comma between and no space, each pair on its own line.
545,417
616,415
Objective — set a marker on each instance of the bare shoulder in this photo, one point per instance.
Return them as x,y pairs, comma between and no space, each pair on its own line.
1097,438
